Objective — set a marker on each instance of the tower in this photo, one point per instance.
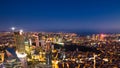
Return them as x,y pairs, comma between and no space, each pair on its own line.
19,41
20,48
48,53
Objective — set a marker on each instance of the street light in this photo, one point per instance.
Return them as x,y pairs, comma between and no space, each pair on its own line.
21,31
13,28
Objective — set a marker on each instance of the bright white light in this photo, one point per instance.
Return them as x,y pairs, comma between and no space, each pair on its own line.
105,59
119,40
13,28
61,43
57,62
21,55
21,31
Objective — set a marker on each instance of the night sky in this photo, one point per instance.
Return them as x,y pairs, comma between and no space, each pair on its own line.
61,15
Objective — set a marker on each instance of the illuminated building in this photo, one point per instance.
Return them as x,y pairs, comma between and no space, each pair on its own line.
1,57
37,41
30,42
102,37
42,43
19,41
48,53
20,48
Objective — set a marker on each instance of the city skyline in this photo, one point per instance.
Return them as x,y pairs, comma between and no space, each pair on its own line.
60,15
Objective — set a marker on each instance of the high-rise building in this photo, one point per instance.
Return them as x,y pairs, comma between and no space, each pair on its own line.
19,42
48,53
20,48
